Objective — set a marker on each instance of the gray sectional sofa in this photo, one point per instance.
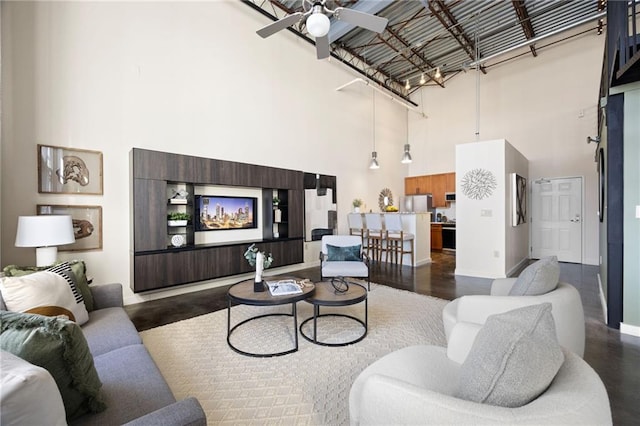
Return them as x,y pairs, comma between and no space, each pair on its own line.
133,388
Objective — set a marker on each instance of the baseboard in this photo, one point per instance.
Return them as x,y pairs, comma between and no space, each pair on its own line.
631,330
478,274
603,300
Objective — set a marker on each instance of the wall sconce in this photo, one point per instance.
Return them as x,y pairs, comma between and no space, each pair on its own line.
596,139
45,232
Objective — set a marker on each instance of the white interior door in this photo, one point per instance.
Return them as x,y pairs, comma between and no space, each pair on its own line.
556,219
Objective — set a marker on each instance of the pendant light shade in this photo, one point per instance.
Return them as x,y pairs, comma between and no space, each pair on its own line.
406,157
374,161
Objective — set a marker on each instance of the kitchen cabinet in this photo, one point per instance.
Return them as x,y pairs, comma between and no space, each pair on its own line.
417,185
436,185
436,236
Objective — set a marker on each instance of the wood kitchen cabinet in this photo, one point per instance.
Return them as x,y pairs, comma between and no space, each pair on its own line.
417,185
436,236
436,185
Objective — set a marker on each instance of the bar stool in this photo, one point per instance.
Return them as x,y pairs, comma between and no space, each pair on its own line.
375,235
357,227
396,238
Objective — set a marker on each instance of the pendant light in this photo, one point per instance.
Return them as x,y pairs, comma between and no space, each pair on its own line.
406,157
373,164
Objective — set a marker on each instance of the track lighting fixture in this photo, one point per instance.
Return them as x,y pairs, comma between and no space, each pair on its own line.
407,86
422,79
406,157
438,75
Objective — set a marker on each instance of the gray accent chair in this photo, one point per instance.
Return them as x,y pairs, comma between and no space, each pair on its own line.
416,384
354,269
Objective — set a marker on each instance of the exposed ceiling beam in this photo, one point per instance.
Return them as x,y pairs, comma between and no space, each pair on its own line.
525,22
446,18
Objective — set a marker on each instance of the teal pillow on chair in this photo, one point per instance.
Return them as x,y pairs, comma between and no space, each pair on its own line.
58,346
348,253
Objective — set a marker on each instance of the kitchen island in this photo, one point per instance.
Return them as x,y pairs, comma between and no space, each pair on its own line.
418,224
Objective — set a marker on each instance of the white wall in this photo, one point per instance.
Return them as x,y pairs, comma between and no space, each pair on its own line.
545,106
194,78
185,77
480,227
487,245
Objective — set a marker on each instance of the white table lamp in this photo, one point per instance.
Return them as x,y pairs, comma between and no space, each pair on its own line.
45,232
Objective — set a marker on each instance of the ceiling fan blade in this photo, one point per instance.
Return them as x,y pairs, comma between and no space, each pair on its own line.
322,47
361,19
281,24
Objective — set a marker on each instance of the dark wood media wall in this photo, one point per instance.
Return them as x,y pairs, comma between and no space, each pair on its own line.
157,264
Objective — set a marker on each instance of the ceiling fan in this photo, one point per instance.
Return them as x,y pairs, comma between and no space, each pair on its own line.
318,23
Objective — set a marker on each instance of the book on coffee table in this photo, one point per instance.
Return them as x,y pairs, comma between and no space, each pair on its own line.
283,287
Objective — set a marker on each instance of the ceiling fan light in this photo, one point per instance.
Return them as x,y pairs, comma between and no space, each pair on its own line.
406,157
374,161
318,24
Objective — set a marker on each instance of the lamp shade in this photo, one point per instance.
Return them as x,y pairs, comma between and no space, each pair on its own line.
44,231
318,24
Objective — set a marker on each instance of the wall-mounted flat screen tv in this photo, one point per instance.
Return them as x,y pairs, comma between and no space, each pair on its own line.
218,213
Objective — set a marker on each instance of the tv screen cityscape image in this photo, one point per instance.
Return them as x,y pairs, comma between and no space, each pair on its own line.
225,213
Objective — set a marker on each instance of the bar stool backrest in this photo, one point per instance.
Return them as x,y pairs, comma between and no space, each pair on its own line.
374,221
355,221
393,222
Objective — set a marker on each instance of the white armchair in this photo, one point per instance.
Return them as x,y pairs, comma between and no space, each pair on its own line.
416,384
566,304
343,256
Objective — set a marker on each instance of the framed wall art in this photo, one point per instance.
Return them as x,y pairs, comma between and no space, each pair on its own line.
519,199
87,225
69,170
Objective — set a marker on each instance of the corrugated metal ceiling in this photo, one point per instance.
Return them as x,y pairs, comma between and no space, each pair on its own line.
425,35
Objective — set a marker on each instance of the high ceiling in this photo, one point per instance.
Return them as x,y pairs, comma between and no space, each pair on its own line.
449,36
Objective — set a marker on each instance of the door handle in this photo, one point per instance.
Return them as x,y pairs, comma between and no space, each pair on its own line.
576,219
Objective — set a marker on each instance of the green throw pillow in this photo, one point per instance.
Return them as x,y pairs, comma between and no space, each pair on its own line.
58,346
348,253
78,268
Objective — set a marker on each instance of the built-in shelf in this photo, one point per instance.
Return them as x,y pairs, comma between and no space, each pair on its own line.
157,175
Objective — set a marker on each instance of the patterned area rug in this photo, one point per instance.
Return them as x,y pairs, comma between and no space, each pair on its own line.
310,386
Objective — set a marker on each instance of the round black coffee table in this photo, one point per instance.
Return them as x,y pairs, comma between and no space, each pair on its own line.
326,295
242,293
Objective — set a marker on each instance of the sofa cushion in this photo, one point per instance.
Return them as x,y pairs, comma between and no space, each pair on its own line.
132,386
109,329
514,358
343,253
43,289
538,278
78,268
22,383
59,346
